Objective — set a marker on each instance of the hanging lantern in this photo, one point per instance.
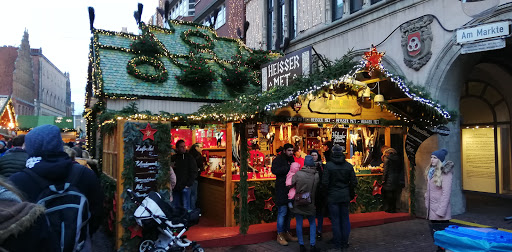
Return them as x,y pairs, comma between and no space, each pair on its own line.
332,97
366,93
378,97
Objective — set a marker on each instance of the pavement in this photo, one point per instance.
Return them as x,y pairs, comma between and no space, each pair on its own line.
482,210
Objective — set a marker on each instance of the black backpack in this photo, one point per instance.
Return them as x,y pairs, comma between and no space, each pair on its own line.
67,209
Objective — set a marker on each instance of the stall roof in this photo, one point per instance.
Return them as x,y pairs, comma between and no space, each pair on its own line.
29,122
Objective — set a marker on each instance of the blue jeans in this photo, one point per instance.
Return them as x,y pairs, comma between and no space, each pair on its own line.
193,195
312,229
181,198
340,223
283,219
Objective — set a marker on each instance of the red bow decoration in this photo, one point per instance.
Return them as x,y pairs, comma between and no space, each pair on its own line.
377,188
148,132
269,204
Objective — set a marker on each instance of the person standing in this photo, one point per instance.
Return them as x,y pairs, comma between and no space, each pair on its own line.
185,169
3,148
393,179
306,181
320,196
196,151
338,177
439,186
326,148
15,158
280,168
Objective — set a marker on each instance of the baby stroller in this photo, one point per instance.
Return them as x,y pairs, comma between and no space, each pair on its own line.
172,223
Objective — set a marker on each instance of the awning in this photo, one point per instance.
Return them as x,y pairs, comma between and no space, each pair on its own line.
28,122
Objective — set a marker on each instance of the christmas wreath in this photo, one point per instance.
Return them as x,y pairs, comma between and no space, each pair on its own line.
185,36
161,74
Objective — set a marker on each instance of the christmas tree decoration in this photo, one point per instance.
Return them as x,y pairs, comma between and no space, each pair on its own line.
250,194
377,188
148,132
269,204
135,230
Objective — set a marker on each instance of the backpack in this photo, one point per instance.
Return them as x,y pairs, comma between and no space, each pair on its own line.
67,209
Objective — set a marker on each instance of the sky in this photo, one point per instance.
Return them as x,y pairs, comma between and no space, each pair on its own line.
61,29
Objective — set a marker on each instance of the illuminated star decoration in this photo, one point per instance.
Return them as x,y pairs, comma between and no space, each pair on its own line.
135,230
148,132
269,204
250,194
377,188
354,199
373,59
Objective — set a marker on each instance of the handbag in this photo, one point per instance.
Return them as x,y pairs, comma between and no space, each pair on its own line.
302,199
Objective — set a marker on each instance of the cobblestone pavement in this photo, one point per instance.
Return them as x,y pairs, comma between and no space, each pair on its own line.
413,235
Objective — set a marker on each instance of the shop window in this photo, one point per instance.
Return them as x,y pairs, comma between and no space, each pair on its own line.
355,5
337,9
270,23
221,18
293,19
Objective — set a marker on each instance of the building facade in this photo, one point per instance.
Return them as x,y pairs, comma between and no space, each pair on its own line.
420,42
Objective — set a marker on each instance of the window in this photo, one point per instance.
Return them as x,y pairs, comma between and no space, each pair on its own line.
221,18
293,19
375,1
337,9
270,23
280,23
355,5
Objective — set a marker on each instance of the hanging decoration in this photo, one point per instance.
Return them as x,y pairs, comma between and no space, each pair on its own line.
354,200
373,59
269,204
160,74
186,37
148,132
377,188
250,194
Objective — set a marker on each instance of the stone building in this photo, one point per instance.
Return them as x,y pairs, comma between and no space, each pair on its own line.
421,44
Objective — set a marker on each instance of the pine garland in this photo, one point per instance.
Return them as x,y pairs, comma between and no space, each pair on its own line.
244,220
160,74
256,213
185,36
197,75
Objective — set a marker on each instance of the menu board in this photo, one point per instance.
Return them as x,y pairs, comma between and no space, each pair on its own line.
145,157
339,136
478,162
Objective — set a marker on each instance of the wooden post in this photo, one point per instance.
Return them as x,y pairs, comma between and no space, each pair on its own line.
387,136
119,185
229,216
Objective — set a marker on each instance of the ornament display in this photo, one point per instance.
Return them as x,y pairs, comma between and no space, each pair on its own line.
148,132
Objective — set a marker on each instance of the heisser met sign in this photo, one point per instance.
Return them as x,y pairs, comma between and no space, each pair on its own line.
282,71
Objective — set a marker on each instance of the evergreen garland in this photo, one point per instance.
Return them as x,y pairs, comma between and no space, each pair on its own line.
160,75
146,44
256,213
185,36
244,216
365,201
109,188
236,77
197,75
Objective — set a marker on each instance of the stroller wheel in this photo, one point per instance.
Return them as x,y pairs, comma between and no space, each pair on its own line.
159,249
146,245
197,248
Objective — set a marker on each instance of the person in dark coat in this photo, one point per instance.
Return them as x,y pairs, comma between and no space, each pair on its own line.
23,226
48,160
338,177
327,150
320,195
280,168
306,180
3,148
15,158
196,152
185,168
393,179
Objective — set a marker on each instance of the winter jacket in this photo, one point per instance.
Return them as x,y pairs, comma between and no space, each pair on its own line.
294,168
22,225
280,168
306,180
199,162
338,176
321,194
437,198
185,169
13,161
393,177
55,168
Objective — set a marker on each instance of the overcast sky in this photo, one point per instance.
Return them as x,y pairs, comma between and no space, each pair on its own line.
61,29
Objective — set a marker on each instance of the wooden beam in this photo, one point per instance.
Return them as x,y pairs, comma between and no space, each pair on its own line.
228,186
399,100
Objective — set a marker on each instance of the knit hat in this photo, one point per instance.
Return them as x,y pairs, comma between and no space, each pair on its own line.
43,139
308,161
337,151
440,154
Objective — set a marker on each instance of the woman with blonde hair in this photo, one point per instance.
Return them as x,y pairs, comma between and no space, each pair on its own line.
439,186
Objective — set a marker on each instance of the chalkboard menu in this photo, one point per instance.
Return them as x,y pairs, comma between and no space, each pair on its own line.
339,136
145,157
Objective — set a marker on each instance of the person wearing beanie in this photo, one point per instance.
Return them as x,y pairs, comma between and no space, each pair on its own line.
3,147
338,179
280,168
321,195
306,181
48,160
439,186
393,179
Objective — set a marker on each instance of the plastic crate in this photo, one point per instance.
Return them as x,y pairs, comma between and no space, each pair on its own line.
487,234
